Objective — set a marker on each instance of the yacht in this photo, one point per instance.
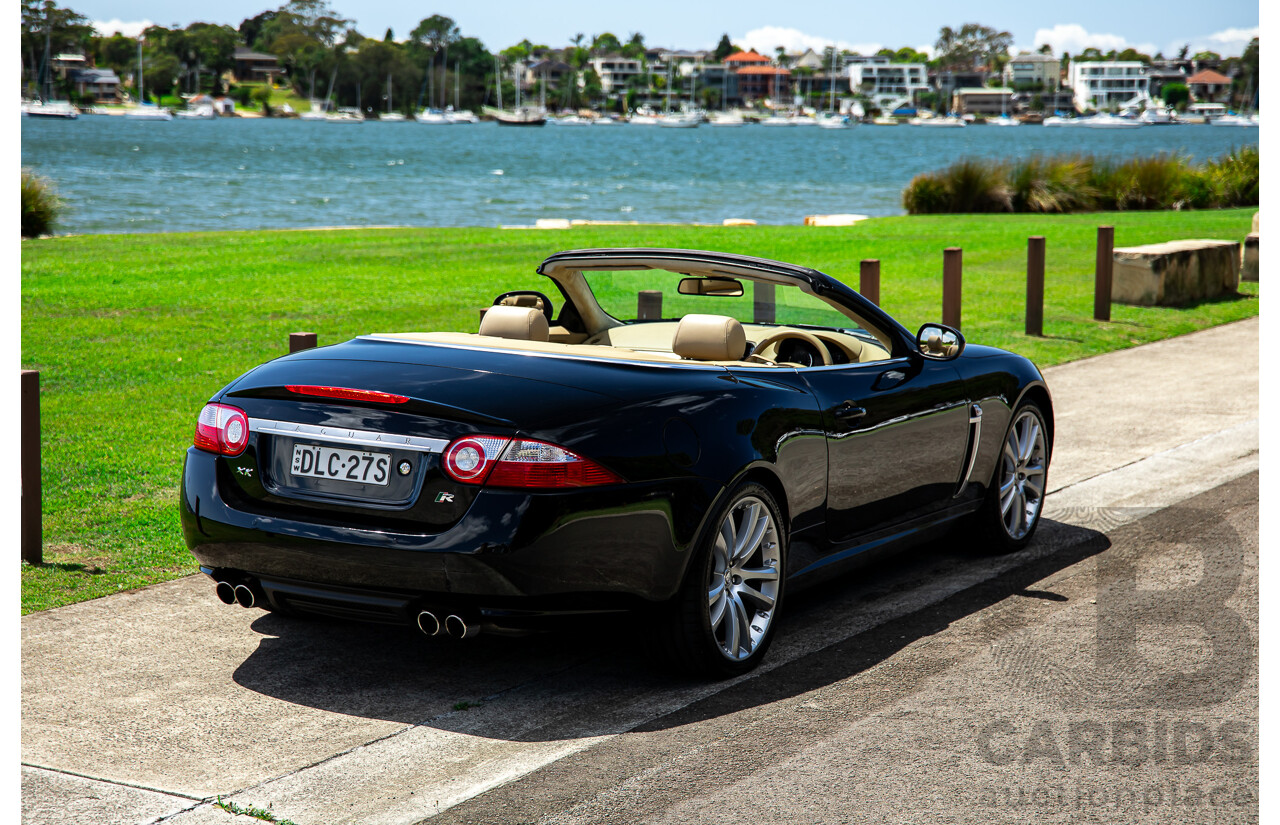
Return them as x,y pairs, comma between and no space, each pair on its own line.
1106,121
679,121
945,122
1059,120
60,109
1234,120
317,112
639,119
345,116
1157,117
884,120
1003,120
461,116
204,111
392,117
148,111
728,119
778,120
568,120
835,122
433,117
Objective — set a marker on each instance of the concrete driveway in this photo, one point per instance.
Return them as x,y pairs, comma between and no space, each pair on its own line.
146,705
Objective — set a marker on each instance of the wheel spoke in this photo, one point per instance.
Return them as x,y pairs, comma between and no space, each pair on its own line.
1034,470
728,535
1007,497
716,601
1011,449
764,602
1032,433
743,617
732,631
768,574
1034,486
754,523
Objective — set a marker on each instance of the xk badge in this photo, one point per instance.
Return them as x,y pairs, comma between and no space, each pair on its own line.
446,498
245,471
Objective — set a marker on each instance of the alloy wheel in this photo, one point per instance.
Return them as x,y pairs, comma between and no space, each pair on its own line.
1022,475
742,588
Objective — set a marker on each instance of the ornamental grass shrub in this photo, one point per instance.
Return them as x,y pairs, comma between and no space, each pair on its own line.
1085,183
40,205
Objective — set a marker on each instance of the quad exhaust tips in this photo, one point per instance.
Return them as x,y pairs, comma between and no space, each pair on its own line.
240,594
458,628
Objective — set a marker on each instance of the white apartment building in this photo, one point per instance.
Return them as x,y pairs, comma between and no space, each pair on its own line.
615,71
1041,72
889,85
1106,84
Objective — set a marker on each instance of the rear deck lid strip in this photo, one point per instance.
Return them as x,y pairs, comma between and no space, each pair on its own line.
345,435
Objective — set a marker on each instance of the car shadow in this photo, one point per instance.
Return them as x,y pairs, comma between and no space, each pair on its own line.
596,680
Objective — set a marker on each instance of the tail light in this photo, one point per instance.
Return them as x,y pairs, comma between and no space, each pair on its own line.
522,463
347,394
222,429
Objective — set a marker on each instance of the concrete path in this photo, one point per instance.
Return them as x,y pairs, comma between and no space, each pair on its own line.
146,705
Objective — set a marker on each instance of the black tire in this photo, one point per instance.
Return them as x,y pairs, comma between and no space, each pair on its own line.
687,636
991,531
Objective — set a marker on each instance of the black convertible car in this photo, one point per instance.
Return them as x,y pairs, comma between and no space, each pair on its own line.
760,427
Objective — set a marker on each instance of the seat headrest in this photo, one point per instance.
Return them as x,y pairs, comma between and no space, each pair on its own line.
709,338
522,301
519,323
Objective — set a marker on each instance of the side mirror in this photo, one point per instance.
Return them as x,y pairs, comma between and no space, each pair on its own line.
939,342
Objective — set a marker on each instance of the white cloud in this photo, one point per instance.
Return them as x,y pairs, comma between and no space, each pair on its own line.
1226,42
768,38
130,28
1074,38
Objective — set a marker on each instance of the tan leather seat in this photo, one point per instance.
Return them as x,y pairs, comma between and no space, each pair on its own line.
518,323
709,338
523,301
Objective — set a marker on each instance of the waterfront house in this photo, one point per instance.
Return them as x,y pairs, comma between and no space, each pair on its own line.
616,72
255,66
758,82
553,72
1161,73
981,100
1033,72
1105,85
101,84
808,59
1208,86
739,60
888,85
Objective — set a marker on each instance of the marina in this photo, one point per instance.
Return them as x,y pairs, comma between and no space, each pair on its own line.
121,175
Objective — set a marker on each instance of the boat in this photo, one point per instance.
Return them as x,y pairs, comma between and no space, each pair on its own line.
148,111
345,116
1234,120
679,121
433,117
1003,120
203,111
645,120
945,122
390,116
885,120
604,121
520,117
805,120
569,120
462,117
1157,117
1059,120
728,119
456,114
777,120
1106,121
836,122
56,109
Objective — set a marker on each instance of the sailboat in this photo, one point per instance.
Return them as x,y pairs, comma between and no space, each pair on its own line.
390,116
834,120
1004,119
522,116
144,110
457,114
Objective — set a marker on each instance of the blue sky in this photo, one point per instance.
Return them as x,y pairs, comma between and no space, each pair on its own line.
1153,26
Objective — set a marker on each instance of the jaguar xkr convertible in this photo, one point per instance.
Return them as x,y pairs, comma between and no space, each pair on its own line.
687,436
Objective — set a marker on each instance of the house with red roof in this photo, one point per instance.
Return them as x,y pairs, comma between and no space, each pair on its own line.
760,81
738,60
1208,86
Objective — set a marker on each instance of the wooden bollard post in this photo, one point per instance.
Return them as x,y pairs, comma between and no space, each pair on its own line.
32,539
951,266
1102,273
649,305
1035,285
301,340
869,280
764,302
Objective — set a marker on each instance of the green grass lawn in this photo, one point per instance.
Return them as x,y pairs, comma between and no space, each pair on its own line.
132,333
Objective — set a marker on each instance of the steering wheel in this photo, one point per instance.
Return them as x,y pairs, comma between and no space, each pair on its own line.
546,302
786,334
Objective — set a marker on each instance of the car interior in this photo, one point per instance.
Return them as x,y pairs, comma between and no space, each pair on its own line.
525,320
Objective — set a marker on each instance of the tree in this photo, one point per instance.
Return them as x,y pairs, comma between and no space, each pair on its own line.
606,43
1210,56
251,28
1175,95
634,47
723,49
1045,49
1182,53
48,30
971,46
1249,74
1134,54
303,34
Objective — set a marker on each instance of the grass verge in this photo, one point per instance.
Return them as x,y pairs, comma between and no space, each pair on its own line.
132,333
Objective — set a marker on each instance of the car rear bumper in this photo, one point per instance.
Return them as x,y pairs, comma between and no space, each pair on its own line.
596,544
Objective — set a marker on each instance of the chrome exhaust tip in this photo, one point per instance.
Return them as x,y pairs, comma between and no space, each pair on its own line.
428,623
244,596
458,628
226,592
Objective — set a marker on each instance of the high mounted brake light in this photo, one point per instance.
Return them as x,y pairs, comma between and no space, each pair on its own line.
222,429
522,464
347,394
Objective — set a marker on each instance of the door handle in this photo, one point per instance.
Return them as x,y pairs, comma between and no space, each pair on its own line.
848,411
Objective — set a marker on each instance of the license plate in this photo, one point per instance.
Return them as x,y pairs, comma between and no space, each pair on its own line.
356,466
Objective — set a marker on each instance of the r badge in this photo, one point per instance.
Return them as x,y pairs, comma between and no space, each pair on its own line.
447,498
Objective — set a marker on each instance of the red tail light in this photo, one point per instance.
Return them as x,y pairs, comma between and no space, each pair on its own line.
347,394
222,429
522,463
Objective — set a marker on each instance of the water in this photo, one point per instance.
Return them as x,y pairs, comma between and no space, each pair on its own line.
118,175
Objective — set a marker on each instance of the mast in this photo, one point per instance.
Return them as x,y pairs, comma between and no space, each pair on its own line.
431,84
388,92
497,79
141,98
457,80
831,79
